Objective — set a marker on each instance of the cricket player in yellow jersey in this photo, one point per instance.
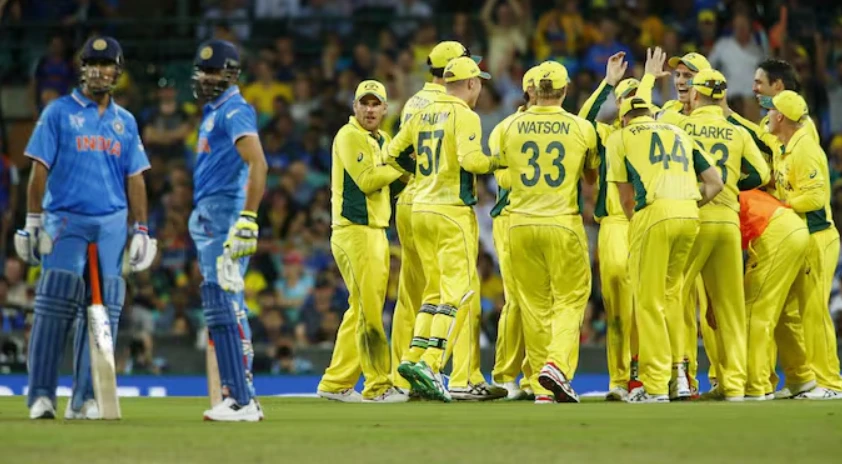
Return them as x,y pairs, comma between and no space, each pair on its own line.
675,112
717,254
445,138
548,150
361,209
510,352
655,167
803,181
466,380
771,78
776,241
613,245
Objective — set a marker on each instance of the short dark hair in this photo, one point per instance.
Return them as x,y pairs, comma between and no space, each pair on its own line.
780,70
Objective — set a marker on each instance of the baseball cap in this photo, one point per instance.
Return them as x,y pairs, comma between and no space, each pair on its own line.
635,103
555,72
371,87
463,68
788,103
710,82
217,54
529,77
446,51
102,48
626,87
707,16
695,61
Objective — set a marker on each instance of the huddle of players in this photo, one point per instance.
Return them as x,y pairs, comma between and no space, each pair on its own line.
679,193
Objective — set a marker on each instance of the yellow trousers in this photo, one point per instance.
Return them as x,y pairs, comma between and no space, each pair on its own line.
510,351
410,287
552,276
362,255
447,241
819,334
698,302
661,237
613,248
789,335
717,256
774,261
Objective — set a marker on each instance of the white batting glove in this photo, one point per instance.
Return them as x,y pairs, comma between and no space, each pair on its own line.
242,237
33,241
142,250
228,272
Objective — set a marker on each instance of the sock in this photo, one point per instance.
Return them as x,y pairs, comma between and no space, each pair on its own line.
421,336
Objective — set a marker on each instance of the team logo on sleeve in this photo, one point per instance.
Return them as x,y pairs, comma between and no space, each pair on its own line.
77,121
208,125
118,126
472,137
360,158
814,174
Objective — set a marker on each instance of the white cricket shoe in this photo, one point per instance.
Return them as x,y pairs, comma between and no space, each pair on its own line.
349,395
755,398
783,394
639,396
680,387
787,393
770,396
555,381
513,391
229,411
89,410
819,393
617,394
42,408
391,395
478,392
544,399
735,399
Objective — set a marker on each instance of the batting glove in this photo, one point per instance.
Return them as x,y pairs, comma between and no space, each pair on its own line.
33,241
142,250
242,237
228,272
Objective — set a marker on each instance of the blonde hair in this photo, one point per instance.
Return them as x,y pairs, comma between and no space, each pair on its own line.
545,90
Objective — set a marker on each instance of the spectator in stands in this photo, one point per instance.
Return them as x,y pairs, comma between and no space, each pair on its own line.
284,60
275,9
318,156
167,126
18,292
295,284
323,308
92,10
463,32
598,54
407,14
264,90
11,317
737,57
319,17
834,96
230,12
644,22
54,74
562,24
506,27
303,103
707,32
9,181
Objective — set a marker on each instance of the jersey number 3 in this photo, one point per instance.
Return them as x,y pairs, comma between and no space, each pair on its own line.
427,150
554,148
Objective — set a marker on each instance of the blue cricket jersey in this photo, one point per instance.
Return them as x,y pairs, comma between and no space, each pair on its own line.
219,169
88,156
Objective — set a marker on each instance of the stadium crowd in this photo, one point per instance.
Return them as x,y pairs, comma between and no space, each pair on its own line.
303,92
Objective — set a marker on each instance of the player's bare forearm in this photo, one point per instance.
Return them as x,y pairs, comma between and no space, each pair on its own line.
36,187
252,153
590,176
137,198
711,185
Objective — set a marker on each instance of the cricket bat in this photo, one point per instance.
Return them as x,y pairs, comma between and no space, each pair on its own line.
214,384
101,345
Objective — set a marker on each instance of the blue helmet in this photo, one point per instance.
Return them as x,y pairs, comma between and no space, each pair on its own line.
215,68
100,50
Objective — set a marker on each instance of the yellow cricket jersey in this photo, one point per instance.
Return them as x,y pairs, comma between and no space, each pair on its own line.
546,149
359,181
803,180
608,197
659,160
740,162
503,176
445,137
417,102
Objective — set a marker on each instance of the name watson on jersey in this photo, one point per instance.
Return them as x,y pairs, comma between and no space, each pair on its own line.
543,127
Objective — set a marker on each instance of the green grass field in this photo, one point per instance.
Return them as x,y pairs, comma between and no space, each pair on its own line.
171,430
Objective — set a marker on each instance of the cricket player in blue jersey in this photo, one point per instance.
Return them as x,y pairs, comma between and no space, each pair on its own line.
88,159
229,178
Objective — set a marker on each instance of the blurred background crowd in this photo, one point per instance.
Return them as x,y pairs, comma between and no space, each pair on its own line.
302,60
